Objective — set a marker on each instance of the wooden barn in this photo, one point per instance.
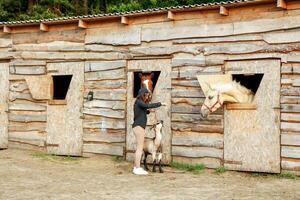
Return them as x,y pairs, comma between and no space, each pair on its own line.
67,85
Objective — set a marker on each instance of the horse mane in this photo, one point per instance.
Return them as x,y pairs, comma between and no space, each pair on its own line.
228,87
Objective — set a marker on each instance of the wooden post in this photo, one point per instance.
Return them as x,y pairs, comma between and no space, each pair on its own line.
224,11
170,15
281,4
6,29
124,20
44,27
82,24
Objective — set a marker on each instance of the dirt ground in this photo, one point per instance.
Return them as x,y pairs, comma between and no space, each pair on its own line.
25,175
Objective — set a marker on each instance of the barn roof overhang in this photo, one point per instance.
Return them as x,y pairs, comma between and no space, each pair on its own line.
123,17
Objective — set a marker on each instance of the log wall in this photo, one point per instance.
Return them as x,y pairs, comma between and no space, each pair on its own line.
194,48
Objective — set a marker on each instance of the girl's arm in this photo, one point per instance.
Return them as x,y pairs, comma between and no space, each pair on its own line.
144,105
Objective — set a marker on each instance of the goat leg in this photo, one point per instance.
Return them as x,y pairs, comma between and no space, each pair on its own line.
145,161
159,166
154,165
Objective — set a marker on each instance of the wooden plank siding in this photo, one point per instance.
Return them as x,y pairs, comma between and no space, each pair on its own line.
197,43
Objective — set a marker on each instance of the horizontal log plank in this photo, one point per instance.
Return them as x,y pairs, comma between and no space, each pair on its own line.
115,105
290,139
106,84
30,70
196,139
27,117
290,99
73,56
27,63
290,117
163,50
192,73
51,46
30,137
187,93
105,112
51,36
196,118
120,36
197,152
104,137
31,126
287,126
105,75
290,152
27,106
105,124
116,94
290,91
108,149
104,65
236,38
189,109
288,164
294,108
197,127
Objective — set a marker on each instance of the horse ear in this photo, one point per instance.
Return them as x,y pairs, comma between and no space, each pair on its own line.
152,75
140,75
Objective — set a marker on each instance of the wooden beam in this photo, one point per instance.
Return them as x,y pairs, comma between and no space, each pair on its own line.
124,20
82,24
224,11
281,4
240,106
6,29
44,27
170,15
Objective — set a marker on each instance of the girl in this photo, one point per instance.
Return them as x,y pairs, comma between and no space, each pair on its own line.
141,109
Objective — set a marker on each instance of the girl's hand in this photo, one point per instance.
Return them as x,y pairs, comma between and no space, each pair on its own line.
163,104
151,110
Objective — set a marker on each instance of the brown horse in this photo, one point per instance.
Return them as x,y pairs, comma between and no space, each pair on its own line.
147,82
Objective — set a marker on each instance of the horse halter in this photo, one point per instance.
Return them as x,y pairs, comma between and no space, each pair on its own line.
217,102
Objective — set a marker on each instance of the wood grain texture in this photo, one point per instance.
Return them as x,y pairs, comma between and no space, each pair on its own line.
64,125
4,90
251,137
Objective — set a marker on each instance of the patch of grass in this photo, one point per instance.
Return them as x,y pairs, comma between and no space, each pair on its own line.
47,156
188,167
286,175
118,159
220,170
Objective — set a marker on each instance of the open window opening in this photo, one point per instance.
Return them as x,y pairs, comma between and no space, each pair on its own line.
61,85
139,76
250,81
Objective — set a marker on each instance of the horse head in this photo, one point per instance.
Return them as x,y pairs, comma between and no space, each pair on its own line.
146,81
212,102
231,92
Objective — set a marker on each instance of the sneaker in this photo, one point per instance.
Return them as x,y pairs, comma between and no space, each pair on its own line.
139,171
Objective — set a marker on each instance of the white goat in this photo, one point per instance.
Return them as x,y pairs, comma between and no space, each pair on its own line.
153,146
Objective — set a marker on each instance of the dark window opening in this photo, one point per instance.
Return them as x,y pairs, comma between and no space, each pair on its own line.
251,81
61,85
137,81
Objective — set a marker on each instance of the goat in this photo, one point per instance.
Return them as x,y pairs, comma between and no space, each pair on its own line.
153,146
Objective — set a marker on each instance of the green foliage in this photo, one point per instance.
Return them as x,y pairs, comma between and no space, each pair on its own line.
11,10
220,170
118,159
188,167
52,157
286,175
